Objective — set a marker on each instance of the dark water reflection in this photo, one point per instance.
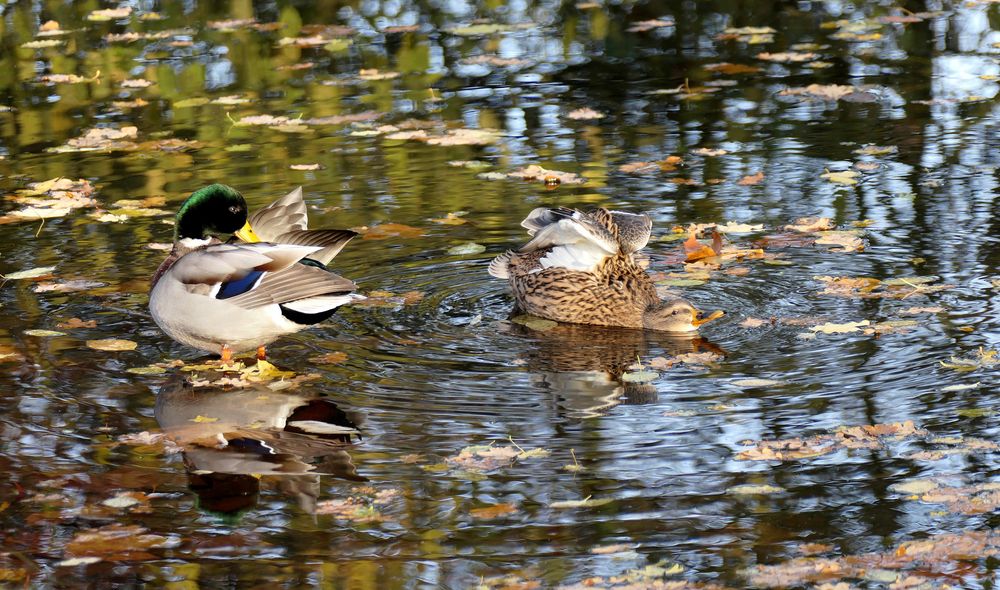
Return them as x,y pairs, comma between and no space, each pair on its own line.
427,377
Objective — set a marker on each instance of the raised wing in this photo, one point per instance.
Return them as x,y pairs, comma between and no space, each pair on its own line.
331,241
573,240
285,215
633,230
568,227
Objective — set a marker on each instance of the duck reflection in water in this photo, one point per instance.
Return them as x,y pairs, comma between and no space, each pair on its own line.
583,365
235,440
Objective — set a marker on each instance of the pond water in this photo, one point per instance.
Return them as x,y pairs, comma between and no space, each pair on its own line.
880,118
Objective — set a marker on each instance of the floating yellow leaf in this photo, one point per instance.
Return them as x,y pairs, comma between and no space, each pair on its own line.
754,489
844,328
31,273
112,344
845,177
982,358
585,503
43,333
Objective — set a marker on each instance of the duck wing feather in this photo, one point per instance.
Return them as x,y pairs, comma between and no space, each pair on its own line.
331,241
219,263
282,216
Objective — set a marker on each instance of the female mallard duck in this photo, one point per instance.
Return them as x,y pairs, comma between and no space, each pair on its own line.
582,268
230,298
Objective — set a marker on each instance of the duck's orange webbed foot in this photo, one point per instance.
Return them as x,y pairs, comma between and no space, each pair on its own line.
261,353
227,355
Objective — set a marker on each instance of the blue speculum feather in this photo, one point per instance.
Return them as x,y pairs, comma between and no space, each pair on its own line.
240,286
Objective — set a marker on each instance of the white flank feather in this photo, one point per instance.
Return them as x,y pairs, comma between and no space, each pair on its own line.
319,304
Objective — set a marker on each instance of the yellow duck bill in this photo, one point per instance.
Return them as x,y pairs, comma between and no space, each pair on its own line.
698,318
247,234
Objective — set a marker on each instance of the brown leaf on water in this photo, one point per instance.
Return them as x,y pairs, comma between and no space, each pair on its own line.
537,173
330,358
814,548
848,286
74,323
847,240
136,83
709,152
495,61
949,558
982,358
695,250
811,224
639,168
305,65
67,79
584,114
788,57
484,457
373,74
363,505
491,457
977,499
389,230
129,104
52,198
699,359
494,511
900,19
869,288
644,26
832,92
452,219
66,286
118,542
853,437
311,41
892,327
231,24
788,449
751,180
107,14
102,139
732,69
921,310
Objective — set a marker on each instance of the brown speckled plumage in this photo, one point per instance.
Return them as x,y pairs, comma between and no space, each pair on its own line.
584,268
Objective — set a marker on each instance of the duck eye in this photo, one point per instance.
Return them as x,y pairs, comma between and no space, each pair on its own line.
234,209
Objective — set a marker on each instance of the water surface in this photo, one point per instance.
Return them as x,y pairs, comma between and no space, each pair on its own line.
423,376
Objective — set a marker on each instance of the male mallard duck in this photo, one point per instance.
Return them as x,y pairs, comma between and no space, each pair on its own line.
582,268
230,298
